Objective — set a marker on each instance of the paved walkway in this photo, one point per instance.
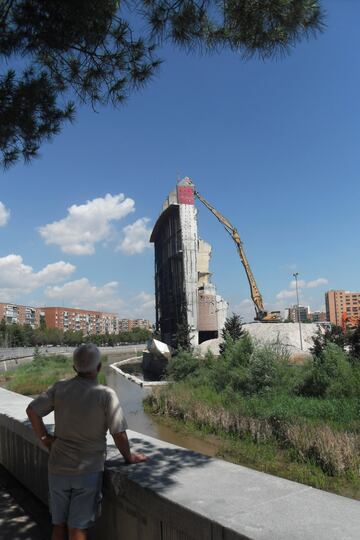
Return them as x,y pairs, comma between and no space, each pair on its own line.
22,516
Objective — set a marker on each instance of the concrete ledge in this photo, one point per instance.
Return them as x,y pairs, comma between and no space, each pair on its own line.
133,378
182,495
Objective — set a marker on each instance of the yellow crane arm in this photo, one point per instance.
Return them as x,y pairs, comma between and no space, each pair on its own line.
254,291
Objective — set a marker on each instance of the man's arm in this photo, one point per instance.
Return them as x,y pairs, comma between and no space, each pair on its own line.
39,427
122,442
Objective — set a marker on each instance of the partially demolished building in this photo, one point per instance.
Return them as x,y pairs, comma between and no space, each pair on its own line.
183,289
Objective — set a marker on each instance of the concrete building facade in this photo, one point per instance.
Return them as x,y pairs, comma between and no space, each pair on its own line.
183,289
127,325
318,316
339,303
19,314
299,312
89,322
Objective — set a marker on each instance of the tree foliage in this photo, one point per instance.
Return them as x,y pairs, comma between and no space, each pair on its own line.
92,51
16,335
325,336
354,344
232,331
183,337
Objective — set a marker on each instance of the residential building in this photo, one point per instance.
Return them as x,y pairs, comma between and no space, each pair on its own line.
127,325
90,322
318,316
19,314
183,289
299,312
339,303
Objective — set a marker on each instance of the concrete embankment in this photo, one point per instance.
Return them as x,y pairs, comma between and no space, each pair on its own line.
181,495
11,358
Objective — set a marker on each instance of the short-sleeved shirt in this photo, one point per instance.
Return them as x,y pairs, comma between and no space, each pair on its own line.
84,411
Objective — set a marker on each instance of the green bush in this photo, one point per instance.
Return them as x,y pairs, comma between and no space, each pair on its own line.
238,352
263,372
329,374
182,366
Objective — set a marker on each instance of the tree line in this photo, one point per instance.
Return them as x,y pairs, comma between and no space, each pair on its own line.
17,335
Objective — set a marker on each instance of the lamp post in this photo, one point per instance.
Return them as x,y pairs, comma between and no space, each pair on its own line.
296,275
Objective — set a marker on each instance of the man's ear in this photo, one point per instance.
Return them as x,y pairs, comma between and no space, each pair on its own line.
98,368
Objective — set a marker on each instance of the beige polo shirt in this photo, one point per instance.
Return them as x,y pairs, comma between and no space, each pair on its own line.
84,411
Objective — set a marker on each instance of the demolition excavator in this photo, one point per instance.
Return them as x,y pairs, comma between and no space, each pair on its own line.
261,314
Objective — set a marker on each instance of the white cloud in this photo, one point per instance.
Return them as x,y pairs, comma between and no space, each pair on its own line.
301,283
282,295
144,305
289,267
81,293
87,224
317,283
4,214
245,309
246,302
136,237
17,278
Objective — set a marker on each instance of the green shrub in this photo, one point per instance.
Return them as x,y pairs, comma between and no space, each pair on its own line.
238,352
181,366
232,329
330,373
262,373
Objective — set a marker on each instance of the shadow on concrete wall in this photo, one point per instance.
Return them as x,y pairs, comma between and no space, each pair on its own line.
159,472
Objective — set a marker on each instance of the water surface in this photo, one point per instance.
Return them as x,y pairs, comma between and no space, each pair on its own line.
131,397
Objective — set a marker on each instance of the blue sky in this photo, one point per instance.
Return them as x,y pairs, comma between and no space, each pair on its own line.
273,145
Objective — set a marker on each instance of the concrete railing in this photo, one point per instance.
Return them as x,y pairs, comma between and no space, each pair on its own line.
180,495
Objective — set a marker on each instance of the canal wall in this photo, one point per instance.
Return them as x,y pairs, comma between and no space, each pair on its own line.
181,495
118,367
11,358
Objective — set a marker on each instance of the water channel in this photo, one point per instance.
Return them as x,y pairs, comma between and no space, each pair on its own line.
131,397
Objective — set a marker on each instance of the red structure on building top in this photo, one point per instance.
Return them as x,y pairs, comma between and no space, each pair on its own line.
185,191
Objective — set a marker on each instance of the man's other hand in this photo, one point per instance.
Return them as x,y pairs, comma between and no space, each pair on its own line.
137,458
49,441
122,442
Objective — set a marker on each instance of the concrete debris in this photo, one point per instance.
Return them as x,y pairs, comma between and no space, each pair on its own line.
158,348
155,359
286,333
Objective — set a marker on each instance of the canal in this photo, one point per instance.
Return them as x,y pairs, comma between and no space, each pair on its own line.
131,397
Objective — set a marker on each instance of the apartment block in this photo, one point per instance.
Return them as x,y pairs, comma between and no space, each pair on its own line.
299,312
90,322
318,316
342,302
127,325
18,314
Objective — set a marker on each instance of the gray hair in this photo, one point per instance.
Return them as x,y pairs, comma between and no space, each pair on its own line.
86,358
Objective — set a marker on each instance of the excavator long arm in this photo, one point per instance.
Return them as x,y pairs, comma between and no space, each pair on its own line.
254,291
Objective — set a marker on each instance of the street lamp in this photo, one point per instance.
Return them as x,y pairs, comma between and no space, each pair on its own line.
296,275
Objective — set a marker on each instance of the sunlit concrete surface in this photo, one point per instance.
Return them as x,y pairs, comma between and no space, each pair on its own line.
181,495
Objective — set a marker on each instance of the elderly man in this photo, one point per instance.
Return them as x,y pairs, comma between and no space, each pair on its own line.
84,411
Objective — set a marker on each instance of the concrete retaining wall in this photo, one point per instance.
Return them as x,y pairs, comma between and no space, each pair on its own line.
11,358
180,495
133,378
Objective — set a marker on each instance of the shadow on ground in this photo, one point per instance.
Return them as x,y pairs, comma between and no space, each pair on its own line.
22,515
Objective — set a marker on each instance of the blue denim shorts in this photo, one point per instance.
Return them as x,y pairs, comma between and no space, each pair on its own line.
75,500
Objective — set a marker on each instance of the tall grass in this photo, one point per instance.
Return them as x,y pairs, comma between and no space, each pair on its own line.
253,391
36,376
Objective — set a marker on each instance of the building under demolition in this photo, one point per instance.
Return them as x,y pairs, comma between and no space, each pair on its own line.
183,288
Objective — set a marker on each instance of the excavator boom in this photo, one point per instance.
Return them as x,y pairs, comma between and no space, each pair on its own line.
261,314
